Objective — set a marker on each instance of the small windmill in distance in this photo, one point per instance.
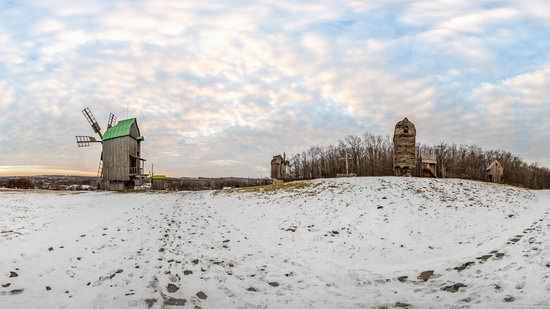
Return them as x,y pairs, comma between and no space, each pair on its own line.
120,164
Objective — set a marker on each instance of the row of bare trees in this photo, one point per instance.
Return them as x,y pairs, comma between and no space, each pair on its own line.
17,183
195,184
372,155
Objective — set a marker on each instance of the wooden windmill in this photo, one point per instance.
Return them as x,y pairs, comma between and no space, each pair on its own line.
278,166
120,163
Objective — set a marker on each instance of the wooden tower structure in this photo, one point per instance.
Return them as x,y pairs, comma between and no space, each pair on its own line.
404,143
120,164
278,166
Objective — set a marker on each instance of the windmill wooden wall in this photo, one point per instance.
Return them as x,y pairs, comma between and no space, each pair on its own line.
116,158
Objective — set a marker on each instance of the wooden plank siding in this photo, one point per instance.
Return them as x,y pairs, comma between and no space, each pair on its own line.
121,159
116,157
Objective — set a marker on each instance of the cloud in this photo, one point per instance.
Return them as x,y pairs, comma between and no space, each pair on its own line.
48,25
63,42
477,22
517,110
10,54
530,88
7,96
220,87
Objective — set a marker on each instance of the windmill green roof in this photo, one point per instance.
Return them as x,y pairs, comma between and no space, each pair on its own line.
122,128
159,177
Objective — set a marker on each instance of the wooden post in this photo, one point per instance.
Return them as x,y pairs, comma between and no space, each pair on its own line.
347,165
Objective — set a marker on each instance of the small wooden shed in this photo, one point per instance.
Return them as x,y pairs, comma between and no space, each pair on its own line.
494,172
429,165
158,182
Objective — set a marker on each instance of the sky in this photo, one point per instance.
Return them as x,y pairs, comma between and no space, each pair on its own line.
219,87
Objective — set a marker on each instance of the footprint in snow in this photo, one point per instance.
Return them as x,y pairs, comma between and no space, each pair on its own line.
70,273
16,291
509,298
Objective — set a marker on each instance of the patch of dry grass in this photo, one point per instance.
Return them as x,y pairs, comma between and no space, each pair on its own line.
285,186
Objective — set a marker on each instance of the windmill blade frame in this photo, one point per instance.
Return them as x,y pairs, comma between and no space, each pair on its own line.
112,121
85,141
92,121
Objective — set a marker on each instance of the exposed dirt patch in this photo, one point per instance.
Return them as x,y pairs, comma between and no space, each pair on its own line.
172,288
170,301
454,287
150,302
464,266
16,291
484,258
425,275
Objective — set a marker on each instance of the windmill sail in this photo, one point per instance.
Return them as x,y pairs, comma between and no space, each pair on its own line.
84,141
112,121
92,121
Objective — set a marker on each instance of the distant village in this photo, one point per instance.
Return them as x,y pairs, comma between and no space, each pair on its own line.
159,182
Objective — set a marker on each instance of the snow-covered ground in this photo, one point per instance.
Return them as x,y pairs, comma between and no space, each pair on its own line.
336,243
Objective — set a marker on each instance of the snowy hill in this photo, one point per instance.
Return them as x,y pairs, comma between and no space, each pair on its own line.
334,243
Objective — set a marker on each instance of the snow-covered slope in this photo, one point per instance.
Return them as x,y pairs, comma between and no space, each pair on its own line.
335,243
